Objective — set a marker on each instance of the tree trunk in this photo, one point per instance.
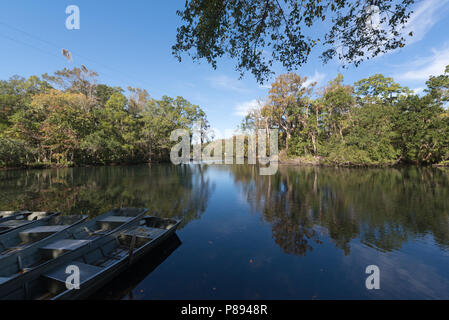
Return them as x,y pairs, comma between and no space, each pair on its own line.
314,144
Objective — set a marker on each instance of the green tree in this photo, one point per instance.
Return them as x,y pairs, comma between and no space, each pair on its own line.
438,87
337,101
106,144
424,130
379,89
17,94
371,135
13,152
288,104
64,125
104,92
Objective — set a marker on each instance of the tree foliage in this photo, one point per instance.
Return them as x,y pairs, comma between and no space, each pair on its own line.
68,119
375,122
245,30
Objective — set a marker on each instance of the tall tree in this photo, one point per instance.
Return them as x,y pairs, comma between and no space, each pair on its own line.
76,80
337,102
287,104
424,130
379,89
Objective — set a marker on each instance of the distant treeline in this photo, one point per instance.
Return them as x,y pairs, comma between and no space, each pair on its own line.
67,119
374,122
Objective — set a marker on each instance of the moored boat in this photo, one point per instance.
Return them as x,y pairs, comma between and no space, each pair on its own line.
18,267
25,233
124,285
97,263
13,220
100,264
5,215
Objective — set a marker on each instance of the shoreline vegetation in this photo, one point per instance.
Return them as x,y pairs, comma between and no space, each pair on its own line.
68,120
321,162
375,122
299,161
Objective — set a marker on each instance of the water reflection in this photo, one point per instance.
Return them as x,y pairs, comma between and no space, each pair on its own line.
320,228
126,285
166,190
384,208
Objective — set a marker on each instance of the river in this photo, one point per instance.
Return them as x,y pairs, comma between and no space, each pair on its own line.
304,233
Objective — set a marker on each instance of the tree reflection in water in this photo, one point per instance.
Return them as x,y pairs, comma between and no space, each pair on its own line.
168,191
384,208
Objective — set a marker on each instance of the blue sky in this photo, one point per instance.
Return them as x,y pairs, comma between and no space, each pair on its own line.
129,44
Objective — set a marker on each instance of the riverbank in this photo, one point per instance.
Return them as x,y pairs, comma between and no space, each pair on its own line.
326,162
283,159
322,162
299,161
444,164
41,166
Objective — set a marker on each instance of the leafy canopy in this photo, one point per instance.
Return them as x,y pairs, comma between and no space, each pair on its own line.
258,33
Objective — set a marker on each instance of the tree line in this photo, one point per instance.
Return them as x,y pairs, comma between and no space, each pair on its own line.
376,121
68,119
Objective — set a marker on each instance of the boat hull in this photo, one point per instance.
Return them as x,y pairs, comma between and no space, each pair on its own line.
95,283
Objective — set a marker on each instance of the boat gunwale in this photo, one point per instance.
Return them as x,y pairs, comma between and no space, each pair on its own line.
26,225
13,215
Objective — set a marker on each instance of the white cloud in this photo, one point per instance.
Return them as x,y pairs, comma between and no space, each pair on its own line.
225,82
418,91
423,68
423,18
317,77
242,109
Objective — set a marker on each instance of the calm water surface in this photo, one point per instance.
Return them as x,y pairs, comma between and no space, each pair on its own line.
305,233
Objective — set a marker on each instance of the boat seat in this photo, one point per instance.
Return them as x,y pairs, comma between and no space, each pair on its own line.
37,215
145,232
57,248
3,280
113,222
38,233
57,278
4,214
